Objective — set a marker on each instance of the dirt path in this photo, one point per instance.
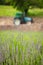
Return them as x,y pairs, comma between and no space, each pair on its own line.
6,23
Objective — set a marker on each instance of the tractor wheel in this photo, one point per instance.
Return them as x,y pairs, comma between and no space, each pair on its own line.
17,21
29,23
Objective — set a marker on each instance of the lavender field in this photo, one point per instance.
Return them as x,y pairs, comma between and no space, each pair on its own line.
21,48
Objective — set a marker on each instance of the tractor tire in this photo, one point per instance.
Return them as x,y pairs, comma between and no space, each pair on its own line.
17,21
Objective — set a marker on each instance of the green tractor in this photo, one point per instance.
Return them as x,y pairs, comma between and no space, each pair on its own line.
20,18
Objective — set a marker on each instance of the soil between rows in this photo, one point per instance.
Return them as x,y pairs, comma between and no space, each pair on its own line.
6,23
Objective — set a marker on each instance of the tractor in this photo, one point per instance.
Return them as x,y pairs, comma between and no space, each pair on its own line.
20,18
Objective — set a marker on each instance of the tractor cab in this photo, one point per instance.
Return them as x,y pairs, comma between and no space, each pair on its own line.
18,15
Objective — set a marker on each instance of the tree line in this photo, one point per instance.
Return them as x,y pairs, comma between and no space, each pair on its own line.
23,5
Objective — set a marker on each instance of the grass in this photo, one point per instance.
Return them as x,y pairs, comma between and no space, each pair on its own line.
7,10
36,12
21,48
10,11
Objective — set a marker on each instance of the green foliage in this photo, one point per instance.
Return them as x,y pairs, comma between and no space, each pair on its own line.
5,2
21,48
24,5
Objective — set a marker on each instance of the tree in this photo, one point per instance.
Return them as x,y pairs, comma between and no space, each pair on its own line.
2,2
24,5
5,2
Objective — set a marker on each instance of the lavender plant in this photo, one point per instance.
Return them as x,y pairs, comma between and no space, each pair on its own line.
15,50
